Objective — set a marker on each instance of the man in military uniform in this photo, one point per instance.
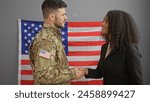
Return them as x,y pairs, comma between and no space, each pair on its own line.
47,55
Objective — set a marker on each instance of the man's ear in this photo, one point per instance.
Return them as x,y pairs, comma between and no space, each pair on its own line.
51,16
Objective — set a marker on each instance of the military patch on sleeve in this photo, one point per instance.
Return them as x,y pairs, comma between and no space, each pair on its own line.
44,54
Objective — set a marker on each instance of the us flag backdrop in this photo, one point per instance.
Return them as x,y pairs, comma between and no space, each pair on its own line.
82,42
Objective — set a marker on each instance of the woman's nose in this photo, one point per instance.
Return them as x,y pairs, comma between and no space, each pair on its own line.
103,23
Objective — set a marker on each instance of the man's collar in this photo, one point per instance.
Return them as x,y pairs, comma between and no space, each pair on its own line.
49,26
53,28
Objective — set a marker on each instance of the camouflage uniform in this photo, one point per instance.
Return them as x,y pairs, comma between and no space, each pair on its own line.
48,59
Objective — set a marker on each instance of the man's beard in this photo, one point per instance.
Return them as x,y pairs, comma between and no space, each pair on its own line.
58,25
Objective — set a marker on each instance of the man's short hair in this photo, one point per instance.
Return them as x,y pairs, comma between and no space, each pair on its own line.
52,5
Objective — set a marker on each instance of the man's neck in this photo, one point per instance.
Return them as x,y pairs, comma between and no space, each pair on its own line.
49,23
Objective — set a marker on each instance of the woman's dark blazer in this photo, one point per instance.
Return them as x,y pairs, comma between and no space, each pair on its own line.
117,70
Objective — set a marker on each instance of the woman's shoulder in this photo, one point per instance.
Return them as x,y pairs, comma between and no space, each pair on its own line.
132,48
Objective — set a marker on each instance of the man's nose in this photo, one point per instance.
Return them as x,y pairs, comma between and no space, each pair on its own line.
66,17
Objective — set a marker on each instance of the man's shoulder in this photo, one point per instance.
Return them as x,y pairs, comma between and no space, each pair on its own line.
44,34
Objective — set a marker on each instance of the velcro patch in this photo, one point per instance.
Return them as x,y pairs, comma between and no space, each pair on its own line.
44,54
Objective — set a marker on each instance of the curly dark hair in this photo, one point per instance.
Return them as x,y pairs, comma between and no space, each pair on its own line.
122,29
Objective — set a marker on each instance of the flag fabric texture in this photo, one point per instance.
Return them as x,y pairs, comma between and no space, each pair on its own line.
82,42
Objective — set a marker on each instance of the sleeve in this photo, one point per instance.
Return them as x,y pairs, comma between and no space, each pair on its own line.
47,68
96,73
133,61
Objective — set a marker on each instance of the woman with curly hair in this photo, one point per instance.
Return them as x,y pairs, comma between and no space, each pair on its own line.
120,60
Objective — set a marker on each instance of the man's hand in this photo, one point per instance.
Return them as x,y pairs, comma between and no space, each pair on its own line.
80,72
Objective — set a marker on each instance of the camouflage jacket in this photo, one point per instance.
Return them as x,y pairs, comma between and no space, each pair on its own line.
48,59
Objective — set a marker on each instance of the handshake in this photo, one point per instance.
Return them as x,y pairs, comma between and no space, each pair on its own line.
80,72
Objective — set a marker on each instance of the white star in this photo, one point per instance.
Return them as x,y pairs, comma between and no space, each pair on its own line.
32,31
29,27
32,38
29,34
26,51
40,26
25,37
32,25
36,28
63,39
25,24
29,41
63,33
26,44
25,31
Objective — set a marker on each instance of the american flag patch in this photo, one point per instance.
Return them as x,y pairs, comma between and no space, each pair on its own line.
44,54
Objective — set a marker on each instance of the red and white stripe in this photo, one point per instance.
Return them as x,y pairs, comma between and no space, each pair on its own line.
84,41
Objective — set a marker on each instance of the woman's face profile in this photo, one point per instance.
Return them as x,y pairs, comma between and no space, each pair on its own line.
105,26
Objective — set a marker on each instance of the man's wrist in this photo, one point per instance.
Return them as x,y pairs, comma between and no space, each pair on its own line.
86,71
